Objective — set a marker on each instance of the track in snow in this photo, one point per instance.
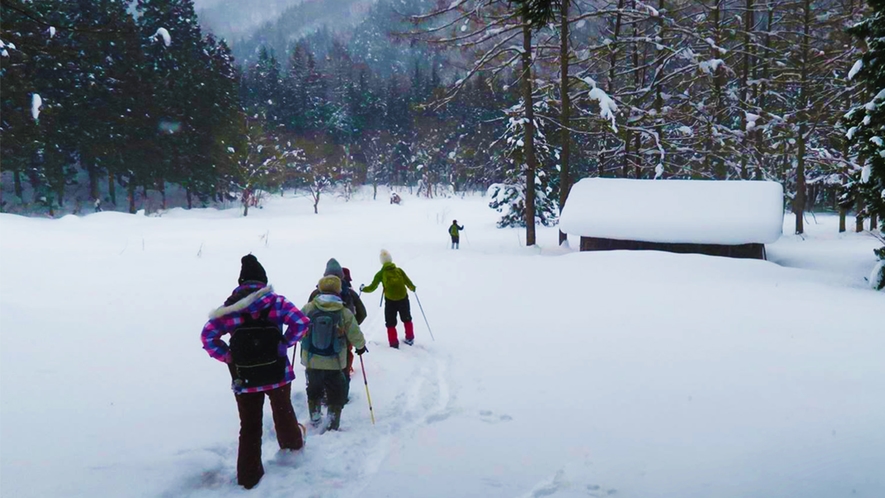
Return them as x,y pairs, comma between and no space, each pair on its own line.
410,389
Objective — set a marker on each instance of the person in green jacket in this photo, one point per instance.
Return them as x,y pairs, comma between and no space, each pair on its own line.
395,282
324,350
455,232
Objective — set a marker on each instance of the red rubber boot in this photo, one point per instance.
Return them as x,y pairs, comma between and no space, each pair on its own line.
410,333
392,338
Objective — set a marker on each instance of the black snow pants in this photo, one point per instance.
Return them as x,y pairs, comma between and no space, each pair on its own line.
392,308
332,382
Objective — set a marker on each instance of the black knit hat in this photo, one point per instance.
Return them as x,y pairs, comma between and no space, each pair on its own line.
251,270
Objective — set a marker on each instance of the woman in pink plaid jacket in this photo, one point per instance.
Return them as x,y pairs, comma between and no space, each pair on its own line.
253,301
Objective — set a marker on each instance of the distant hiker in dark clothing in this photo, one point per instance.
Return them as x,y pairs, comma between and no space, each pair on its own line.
395,198
254,316
395,281
455,232
324,351
351,301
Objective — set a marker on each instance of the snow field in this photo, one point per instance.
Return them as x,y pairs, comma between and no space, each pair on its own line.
552,374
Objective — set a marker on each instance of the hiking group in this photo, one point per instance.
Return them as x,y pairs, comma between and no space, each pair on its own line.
328,329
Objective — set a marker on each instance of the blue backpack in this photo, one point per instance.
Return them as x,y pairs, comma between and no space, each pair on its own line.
326,334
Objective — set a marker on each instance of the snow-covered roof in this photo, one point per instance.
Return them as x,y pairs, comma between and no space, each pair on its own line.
675,211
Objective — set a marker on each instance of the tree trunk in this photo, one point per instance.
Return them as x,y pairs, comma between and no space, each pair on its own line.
874,221
316,202
565,112
858,217
17,179
842,215
93,181
131,189
190,203
529,148
659,90
625,167
637,83
750,20
163,192
112,188
612,66
637,166
718,166
761,89
799,200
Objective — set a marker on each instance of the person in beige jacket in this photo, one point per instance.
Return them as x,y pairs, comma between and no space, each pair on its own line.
324,350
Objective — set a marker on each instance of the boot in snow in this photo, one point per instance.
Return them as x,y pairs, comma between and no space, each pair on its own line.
334,417
316,412
410,333
392,338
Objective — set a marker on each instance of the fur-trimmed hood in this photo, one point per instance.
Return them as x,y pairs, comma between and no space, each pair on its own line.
253,302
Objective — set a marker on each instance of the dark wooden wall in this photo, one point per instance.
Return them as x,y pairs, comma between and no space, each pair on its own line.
745,251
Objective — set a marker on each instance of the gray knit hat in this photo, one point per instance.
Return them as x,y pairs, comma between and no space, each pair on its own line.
334,268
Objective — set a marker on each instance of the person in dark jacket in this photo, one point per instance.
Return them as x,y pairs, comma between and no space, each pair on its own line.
455,232
254,303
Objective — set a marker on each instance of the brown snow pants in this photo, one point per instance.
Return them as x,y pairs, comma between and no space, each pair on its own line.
251,408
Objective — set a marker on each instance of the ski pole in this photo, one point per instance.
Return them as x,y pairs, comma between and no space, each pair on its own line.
425,316
368,396
381,302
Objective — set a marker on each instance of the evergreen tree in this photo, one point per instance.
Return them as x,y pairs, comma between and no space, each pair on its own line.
867,122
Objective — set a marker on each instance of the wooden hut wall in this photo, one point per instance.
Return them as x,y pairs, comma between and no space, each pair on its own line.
744,251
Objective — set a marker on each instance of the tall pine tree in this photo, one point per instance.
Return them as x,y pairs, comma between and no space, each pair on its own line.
867,122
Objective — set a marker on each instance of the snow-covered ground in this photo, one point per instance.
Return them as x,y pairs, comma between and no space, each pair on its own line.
553,373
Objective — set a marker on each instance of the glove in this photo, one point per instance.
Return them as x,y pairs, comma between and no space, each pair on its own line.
362,286
361,350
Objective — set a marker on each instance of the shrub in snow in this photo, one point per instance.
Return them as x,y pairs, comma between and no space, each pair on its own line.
877,276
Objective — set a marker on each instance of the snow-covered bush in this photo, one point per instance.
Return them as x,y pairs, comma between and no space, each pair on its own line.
877,276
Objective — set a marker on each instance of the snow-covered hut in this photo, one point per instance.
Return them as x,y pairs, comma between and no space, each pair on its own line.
720,218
